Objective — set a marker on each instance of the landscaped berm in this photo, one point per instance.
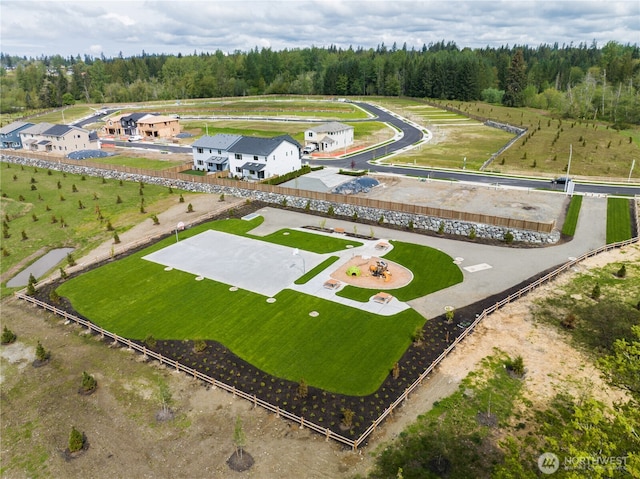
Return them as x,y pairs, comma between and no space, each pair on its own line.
374,273
268,346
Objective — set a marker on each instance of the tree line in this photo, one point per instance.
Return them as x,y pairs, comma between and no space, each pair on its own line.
577,81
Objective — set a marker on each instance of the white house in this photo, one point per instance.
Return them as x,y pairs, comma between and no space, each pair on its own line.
262,158
247,157
328,137
210,153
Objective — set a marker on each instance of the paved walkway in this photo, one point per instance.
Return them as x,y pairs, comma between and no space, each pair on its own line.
487,270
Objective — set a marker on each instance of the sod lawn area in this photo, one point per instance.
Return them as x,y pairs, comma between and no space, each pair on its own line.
342,350
618,220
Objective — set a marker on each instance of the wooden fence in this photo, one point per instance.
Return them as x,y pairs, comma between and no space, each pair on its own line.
176,175
329,434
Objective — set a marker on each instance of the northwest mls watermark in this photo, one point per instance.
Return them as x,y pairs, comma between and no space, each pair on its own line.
548,463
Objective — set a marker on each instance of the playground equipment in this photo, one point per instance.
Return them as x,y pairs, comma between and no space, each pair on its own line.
380,270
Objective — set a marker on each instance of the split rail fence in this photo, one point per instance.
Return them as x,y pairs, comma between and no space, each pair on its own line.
329,434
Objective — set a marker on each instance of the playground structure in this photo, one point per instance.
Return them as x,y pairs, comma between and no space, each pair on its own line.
380,270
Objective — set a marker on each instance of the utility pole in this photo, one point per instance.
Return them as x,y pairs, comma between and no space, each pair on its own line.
566,184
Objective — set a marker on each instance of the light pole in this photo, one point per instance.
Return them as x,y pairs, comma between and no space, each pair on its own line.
296,252
633,163
566,184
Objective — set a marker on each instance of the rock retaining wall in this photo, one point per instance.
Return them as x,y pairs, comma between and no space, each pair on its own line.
380,216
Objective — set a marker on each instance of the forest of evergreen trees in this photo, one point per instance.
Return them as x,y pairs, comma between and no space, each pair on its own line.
573,81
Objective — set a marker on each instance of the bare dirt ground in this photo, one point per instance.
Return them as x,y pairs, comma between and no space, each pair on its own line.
522,204
39,406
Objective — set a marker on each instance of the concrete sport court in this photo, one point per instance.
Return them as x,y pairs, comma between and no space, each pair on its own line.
249,264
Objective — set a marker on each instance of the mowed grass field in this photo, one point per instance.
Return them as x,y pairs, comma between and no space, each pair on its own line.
343,350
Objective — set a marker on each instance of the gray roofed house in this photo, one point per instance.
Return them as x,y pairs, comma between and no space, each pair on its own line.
221,141
247,156
62,139
10,134
331,136
251,145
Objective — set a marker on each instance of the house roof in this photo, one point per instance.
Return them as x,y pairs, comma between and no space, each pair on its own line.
133,116
16,125
260,146
217,160
44,142
37,129
331,127
221,141
57,130
254,166
151,119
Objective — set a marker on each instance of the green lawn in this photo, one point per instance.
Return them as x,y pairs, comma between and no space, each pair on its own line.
32,198
343,350
571,220
432,271
136,162
618,220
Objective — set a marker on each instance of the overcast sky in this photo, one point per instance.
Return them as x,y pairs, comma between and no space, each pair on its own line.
95,27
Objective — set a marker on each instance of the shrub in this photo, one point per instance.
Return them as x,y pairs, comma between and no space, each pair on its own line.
472,234
516,365
76,440
70,260
221,197
199,345
441,228
116,238
74,189
89,383
54,297
622,272
303,389
381,219
418,335
508,237
181,200
331,211
347,417
63,273
155,219
595,292
24,235
150,341
8,336
189,208
109,226
569,322
118,200
395,372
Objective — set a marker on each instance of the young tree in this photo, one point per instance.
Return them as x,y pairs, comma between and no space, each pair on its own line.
303,389
8,336
76,440
239,437
41,353
89,383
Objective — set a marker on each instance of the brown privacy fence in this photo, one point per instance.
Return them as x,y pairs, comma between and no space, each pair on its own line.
329,434
175,174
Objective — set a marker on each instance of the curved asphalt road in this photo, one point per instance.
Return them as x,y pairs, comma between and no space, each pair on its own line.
409,136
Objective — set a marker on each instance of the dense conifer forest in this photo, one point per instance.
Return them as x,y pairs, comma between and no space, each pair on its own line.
574,81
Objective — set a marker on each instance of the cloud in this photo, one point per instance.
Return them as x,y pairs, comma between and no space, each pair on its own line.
67,27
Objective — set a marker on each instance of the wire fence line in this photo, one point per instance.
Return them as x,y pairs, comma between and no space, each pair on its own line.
328,433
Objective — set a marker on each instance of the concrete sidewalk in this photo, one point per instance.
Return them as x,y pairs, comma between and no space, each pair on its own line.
487,270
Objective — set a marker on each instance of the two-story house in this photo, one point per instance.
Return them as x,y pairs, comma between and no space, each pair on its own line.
329,137
158,126
210,153
246,156
10,134
61,139
261,158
